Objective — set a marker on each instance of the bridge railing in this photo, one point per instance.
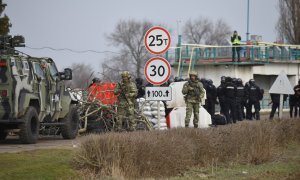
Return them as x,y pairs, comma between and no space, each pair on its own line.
262,53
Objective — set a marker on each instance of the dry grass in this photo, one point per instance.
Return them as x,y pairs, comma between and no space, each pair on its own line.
169,153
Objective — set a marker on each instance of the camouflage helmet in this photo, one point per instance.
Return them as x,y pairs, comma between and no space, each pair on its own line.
43,63
126,74
193,73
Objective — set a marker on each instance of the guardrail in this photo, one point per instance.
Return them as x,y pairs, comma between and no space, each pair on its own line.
262,53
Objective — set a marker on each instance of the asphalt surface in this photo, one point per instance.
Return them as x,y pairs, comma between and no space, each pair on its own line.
13,145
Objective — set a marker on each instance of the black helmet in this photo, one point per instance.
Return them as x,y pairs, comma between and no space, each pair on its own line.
234,80
96,80
239,80
139,81
210,81
251,82
228,79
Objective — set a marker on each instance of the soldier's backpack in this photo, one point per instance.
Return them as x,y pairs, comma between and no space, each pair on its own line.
218,119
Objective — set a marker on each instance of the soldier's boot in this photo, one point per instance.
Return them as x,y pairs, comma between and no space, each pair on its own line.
186,125
195,125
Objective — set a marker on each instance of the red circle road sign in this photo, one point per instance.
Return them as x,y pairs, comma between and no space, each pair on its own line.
157,70
157,40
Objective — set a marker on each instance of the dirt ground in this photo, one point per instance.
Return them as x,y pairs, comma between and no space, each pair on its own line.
13,145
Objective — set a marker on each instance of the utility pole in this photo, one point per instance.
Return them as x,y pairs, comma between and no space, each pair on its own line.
247,34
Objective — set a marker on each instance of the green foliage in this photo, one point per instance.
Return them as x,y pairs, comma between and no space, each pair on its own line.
4,25
39,164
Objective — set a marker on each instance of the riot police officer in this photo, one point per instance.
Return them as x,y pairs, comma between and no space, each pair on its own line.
253,94
240,99
140,88
230,94
211,97
297,99
221,95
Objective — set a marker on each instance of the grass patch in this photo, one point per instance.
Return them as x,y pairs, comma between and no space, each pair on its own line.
38,164
287,166
162,154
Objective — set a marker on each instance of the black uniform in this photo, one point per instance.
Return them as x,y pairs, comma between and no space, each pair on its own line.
253,94
221,96
140,88
275,103
240,101
297,99
230,94
293,105
211,96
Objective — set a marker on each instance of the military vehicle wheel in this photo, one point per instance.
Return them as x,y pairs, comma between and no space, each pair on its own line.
29,129
70,128
3,134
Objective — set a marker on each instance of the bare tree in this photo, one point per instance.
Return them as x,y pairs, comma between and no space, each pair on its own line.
198,30
82,75
288,25
205,31
114,65
128,36
220,33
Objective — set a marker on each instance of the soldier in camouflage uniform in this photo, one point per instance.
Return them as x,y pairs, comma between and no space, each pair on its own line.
127,92
193,93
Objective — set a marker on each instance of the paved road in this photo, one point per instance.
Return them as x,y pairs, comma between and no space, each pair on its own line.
13,145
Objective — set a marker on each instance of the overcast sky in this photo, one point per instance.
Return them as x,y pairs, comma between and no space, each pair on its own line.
83,24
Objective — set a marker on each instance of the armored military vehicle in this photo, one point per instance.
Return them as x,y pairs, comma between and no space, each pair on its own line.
33,97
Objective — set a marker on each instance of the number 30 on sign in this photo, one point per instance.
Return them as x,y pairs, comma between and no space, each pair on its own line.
157,70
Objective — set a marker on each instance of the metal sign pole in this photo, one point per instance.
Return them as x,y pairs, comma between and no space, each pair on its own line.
280,106
158,114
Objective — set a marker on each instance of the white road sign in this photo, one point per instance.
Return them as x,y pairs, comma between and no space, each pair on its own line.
157,70
159,93
282,85
157,40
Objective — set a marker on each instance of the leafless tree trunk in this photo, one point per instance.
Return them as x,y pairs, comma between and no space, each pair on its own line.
198,30
128,36
82,75
288,25
205,31
220,33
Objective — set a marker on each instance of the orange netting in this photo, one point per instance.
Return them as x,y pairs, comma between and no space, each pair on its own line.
104,92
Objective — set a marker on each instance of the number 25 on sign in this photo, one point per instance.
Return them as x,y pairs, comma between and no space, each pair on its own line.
157,40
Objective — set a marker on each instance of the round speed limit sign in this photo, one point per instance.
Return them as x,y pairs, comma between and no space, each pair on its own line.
157,70
157,40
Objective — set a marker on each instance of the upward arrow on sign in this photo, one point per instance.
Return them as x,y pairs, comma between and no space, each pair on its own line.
282,85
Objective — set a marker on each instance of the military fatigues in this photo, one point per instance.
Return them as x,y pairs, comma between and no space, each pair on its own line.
127,93
193,92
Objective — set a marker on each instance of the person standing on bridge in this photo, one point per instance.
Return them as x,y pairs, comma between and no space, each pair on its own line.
236,42
193,93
